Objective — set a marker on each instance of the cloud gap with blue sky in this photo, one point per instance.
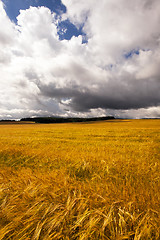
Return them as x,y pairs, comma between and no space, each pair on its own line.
79,58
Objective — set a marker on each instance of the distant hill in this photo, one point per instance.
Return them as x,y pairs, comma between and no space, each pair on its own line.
64,120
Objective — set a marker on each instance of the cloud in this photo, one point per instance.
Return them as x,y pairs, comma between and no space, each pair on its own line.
6,33
115,72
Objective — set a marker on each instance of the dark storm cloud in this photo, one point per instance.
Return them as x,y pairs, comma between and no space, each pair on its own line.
113,95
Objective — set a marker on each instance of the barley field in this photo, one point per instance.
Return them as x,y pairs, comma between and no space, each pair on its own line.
82,181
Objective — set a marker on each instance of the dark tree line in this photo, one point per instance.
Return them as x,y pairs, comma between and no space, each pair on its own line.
65,120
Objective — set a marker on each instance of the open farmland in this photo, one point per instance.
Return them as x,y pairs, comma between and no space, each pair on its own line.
80,180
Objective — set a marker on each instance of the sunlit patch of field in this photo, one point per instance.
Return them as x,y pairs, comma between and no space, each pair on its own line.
80,181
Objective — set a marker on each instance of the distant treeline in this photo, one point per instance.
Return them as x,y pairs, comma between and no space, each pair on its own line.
64,120
3,120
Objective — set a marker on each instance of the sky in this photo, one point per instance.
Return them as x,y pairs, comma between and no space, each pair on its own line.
79,58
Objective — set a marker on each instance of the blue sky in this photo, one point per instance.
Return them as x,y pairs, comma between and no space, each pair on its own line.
12,8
